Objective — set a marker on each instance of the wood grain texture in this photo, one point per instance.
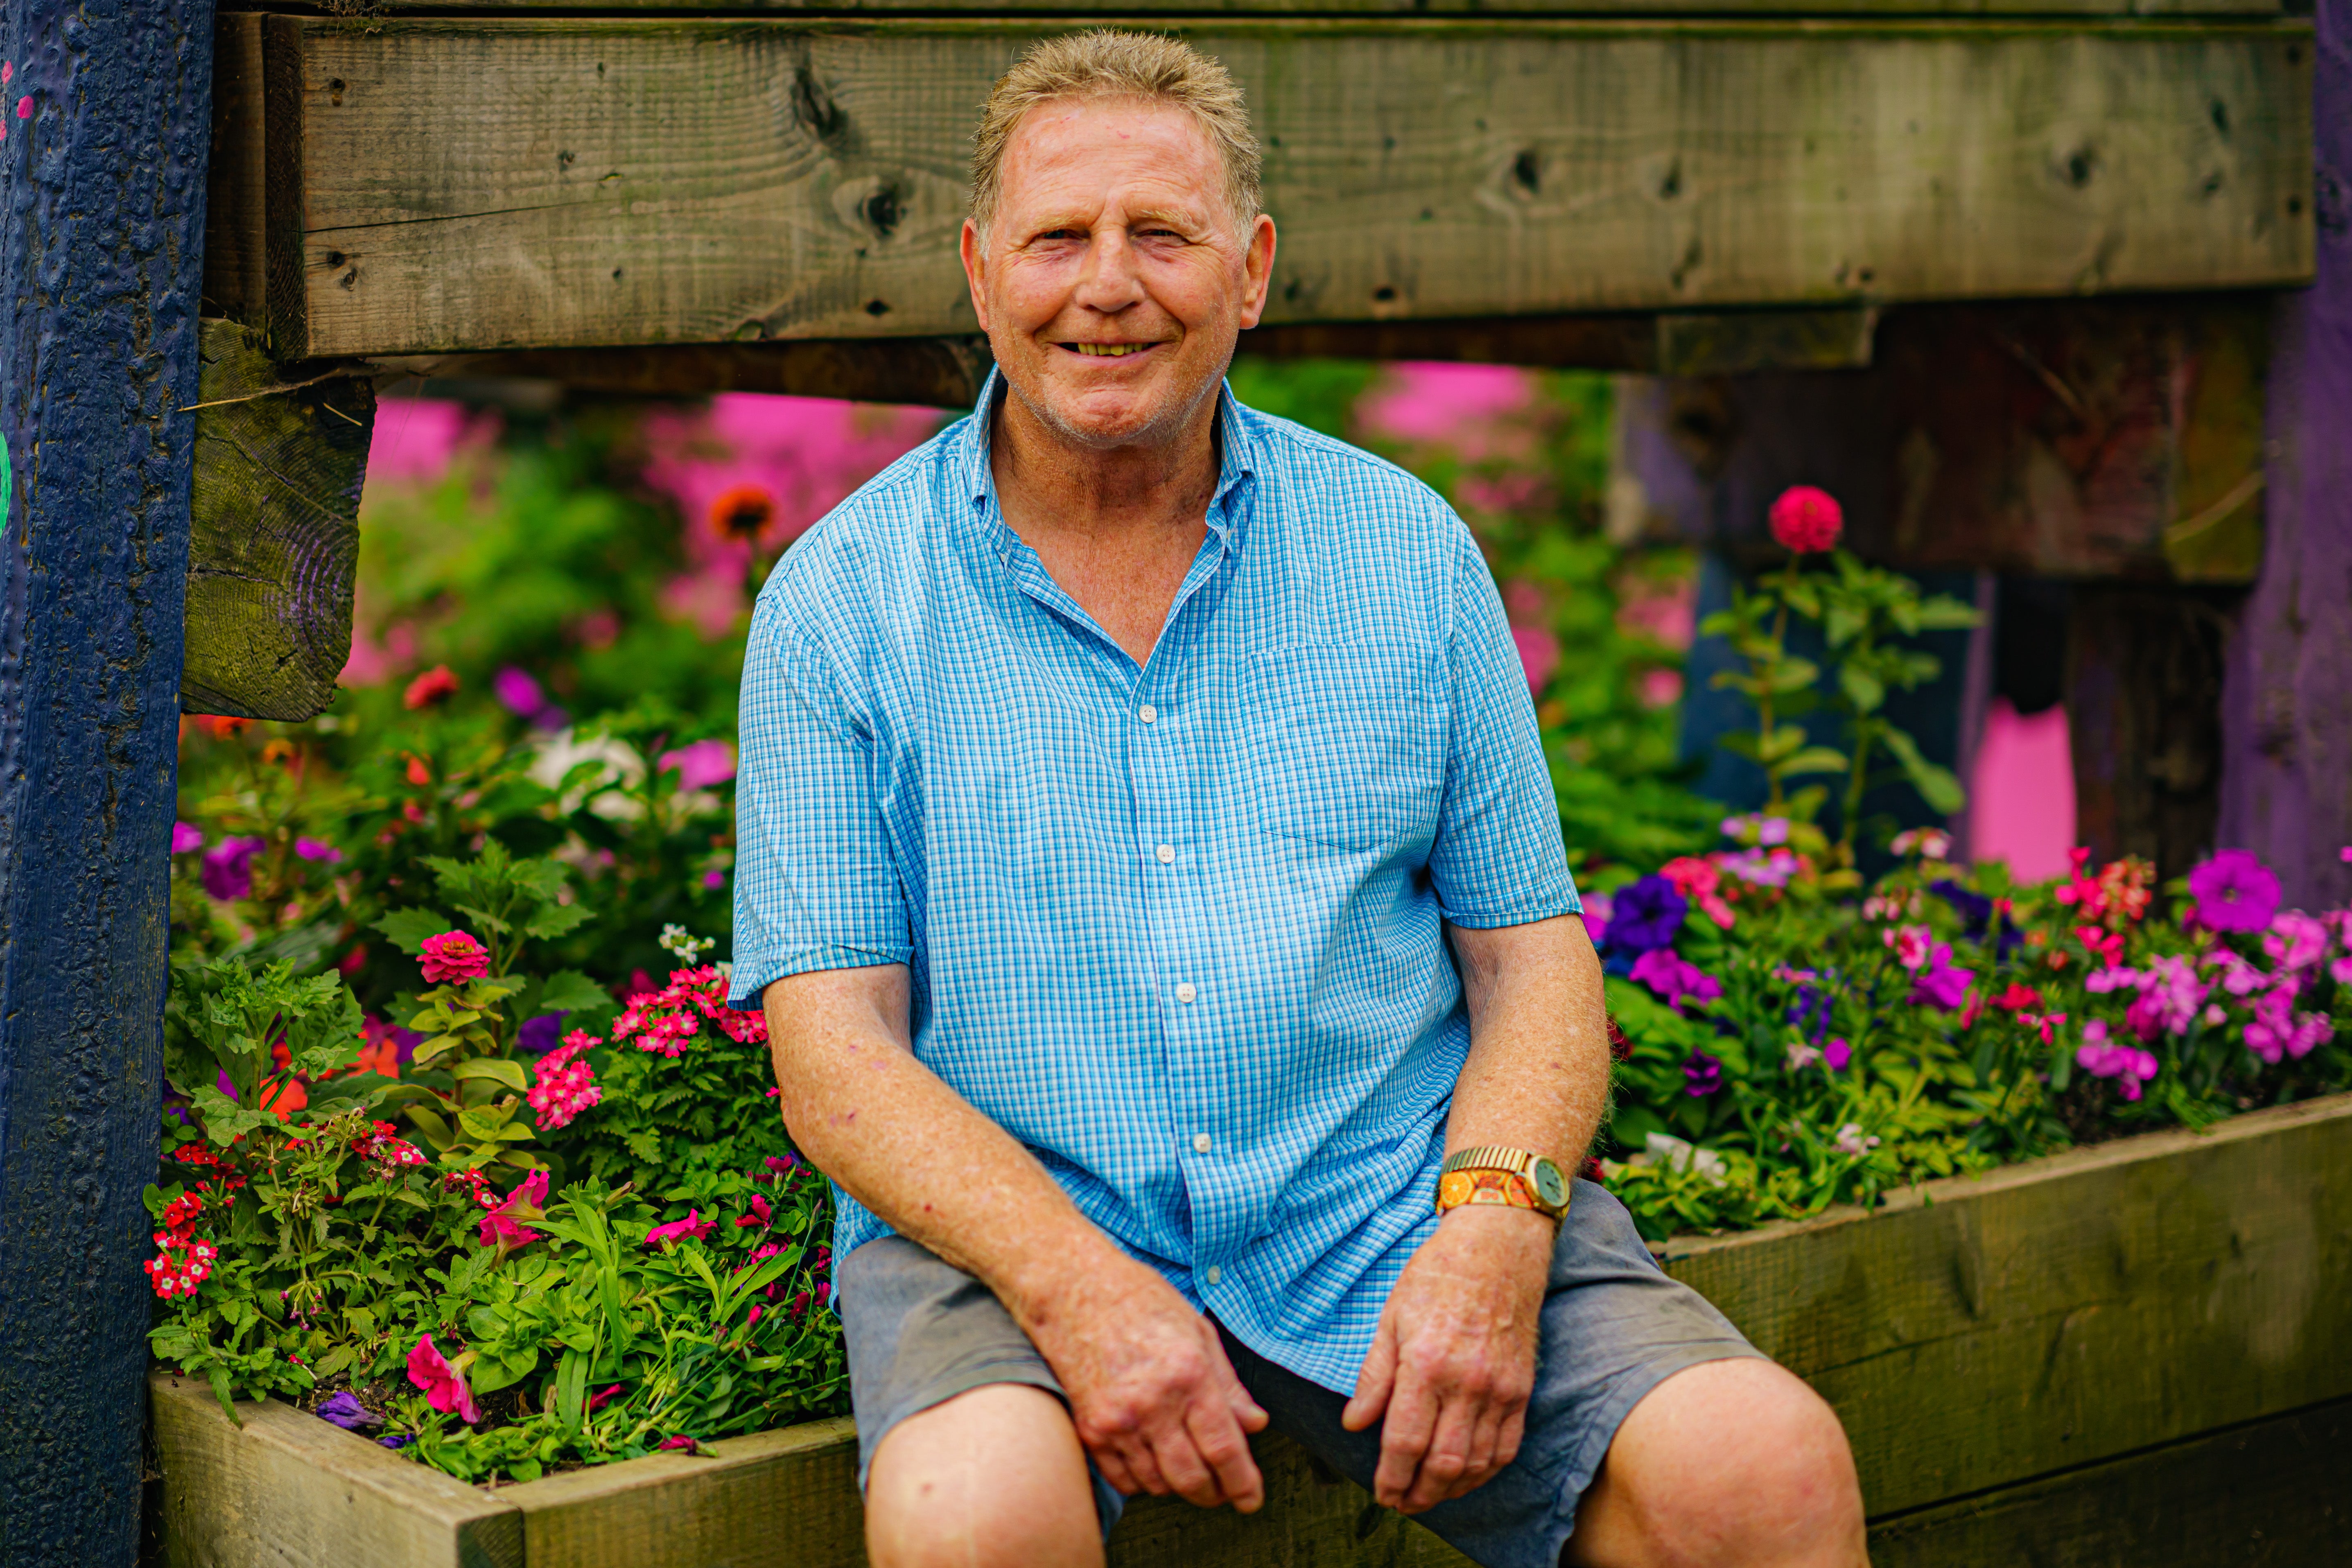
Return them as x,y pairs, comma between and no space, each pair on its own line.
943,372
289,1490
450,185
274,548
235,266
1981,1332
2272,1494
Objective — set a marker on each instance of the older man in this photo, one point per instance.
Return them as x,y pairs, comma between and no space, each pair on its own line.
1118,769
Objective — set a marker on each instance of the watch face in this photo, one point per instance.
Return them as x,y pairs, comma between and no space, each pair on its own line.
1551,1185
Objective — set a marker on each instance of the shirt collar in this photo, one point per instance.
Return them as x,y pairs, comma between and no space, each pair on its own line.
1237,459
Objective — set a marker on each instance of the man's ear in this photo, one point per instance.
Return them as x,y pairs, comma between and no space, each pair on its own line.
975,264
1257,263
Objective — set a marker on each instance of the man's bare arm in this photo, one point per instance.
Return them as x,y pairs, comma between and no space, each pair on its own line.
1450,1374
1154,1399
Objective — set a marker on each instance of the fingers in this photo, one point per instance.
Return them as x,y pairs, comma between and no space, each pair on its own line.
1216,1436
1375,1380
1405,1433
1446,1462
1485,1433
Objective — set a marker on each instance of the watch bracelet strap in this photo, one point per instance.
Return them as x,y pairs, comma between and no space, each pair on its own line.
1492,1157
1487,1185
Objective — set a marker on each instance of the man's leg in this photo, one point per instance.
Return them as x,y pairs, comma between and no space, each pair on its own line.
993,1477
1728,1462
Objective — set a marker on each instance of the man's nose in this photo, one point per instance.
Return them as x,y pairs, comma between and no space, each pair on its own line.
1110,281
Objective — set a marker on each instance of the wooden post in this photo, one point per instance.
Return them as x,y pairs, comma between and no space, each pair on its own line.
106,110
2286,775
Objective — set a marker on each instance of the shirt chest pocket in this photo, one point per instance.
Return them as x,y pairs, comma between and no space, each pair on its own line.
1343,743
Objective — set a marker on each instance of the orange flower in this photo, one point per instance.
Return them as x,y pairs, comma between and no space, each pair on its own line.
741,511
221,726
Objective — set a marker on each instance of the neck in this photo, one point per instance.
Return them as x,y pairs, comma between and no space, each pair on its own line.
1052,485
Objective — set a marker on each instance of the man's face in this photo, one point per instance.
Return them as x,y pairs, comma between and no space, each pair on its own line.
1115,277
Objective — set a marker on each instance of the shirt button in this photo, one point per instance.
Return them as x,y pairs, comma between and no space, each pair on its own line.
1184,991
1203,1142
1148,713
1167,853
1213,1274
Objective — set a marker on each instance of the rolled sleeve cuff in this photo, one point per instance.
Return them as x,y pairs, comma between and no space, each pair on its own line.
1484,918
751,980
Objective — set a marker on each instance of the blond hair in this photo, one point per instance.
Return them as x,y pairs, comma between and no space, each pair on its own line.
1107,63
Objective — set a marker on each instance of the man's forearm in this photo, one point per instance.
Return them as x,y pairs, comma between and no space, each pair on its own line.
916,1152
1538,1073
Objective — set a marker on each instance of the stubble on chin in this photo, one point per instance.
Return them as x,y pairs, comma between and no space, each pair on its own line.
1141,424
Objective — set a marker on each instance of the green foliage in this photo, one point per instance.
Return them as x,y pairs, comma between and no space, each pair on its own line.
258,1031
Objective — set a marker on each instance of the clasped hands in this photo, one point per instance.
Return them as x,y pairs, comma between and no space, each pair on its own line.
1160,1409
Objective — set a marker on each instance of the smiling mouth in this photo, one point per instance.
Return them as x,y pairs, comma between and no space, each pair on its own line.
1108,351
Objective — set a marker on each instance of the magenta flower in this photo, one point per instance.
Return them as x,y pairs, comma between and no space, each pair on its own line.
503,1226
517,692
1837,1054
566,1084
701,764
316,849
2102,1057
187,835
2295,940
443,1385
1674,978
2234,891
757,1219
227,869
2277,1031
1704,1073
1805,520
1939,983
454,955
693,1226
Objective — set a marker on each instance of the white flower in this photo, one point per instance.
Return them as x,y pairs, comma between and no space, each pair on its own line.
1670,1152
1850,1140
1802,1056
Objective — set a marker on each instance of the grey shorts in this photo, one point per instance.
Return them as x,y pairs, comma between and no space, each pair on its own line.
921,1331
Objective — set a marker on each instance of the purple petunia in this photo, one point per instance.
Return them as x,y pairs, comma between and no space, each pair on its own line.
227,869
316,849
1644,916
1705,1074
540,1035
345,1409
1674,978
1939,983
187,835
1837,1054
2234,891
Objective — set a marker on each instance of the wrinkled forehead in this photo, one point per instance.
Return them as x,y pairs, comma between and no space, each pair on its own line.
1082,154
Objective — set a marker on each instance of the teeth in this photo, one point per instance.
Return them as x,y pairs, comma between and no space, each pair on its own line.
1109,351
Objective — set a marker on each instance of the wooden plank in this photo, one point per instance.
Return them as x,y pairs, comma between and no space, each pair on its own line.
2268,1495
943,372
1312,1515
235,264
292,1492
1980,1332
274,543
450,185
2144,720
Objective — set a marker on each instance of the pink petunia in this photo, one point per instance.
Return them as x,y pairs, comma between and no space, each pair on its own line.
759,1216
454,955
701,764
443,1385
1674,978
501,1228
692,1226
187,835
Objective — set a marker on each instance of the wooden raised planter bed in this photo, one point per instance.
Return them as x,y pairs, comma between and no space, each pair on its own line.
2139,1353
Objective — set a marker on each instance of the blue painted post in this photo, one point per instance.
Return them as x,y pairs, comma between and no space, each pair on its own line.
106,106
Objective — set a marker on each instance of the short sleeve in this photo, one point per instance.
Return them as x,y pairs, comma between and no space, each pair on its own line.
815,886
1497,859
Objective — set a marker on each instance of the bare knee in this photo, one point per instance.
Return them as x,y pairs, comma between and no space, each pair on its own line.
1727,1462
994,1477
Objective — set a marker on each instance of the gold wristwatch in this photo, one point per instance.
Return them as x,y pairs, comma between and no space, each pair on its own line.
1494,1174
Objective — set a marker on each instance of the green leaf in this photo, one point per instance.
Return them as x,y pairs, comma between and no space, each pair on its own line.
1861,689
409,928
1732,680
1842,623
1815,760
556,920
1944,613
491,1374
217,1375
1785,740
1936,785
498,1069
429,1123
569,991
480,1123
433,1047
1795,674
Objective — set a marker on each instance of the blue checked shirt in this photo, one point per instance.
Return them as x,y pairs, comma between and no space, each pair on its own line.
1175,927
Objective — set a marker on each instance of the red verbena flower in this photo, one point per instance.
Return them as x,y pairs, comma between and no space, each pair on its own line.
437,684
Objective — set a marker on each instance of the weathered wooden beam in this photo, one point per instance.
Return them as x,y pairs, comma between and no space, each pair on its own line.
1984,1331
2271,1492
451,185
943,372
280,456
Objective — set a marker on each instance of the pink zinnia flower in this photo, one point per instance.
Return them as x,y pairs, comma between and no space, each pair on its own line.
1806,521
693,1226
443,1385
454,955
501,1228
